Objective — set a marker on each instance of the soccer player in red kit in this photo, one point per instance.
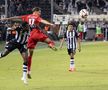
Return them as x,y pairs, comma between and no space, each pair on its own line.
36,34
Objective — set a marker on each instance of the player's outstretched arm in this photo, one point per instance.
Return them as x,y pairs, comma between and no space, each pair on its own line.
10,18
46,22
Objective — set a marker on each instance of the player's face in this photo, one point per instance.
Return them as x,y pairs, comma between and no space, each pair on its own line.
70,28
38,12
15,25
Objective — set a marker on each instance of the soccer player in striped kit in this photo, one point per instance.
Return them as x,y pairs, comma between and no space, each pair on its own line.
19,42
72,38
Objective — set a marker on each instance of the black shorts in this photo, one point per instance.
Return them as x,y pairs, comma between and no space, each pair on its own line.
14,45
71,51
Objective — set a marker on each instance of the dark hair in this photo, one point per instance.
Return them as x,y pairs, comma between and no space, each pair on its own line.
72,23
36,9
82,22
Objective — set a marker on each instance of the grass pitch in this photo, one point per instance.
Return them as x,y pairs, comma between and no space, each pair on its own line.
50,69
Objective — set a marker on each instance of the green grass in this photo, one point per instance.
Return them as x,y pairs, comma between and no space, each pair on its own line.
50,69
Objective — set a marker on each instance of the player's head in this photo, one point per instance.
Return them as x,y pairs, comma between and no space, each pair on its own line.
15,25
70,26
36,10
82,22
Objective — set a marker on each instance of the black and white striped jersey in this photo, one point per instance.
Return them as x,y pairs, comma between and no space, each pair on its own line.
21,35
10,34
71,39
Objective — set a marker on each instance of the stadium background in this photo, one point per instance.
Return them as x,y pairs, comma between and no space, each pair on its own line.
10,8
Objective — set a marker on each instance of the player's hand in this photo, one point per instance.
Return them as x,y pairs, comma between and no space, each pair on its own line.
53,25
2,19
79,49
60,48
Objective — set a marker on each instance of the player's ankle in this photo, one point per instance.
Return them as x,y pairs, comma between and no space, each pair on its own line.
29,72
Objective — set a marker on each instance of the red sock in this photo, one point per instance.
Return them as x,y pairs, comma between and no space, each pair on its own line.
29,63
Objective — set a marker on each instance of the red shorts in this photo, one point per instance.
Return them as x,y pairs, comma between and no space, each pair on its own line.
81,35
35,36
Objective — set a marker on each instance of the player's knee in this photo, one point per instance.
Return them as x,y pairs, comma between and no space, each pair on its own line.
25,63
72,57
3,54
30,54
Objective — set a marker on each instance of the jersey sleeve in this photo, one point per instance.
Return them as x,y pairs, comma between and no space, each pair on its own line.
39,19
23,17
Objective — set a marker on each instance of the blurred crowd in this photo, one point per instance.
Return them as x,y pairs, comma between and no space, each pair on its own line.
18,7
74,6
21,7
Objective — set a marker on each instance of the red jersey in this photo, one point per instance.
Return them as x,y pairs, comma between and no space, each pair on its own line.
32,19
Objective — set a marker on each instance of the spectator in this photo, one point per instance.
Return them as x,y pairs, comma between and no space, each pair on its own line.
81,5
19,9
12,8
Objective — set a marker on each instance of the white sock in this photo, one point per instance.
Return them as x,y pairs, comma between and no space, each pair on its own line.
24,72
24,75
72,63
